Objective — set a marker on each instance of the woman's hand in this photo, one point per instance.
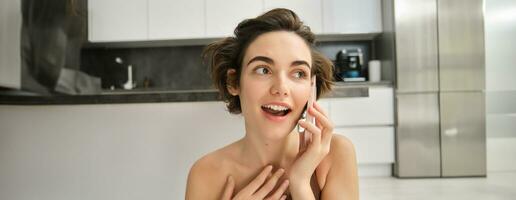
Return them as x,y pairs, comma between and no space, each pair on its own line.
256,189
309,158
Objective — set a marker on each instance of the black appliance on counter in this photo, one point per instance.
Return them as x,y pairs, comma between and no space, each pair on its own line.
349,65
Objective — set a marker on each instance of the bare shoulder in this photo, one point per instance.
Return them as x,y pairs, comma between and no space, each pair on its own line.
341,146
208,175
343,156
341,149
342,177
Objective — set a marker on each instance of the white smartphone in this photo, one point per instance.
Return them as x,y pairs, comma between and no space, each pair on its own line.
305,115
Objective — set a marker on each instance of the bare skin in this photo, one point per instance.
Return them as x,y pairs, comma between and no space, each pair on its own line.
276,68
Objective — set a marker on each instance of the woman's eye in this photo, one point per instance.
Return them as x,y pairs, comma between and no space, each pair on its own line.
261,70
300,74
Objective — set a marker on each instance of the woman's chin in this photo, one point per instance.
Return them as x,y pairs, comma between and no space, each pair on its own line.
279,133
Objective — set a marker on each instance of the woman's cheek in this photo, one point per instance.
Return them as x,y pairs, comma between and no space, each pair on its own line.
302,93
254,89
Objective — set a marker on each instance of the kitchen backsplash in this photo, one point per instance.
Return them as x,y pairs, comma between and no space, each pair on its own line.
173,68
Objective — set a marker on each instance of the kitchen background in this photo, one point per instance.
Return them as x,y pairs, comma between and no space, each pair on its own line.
172,68
97,146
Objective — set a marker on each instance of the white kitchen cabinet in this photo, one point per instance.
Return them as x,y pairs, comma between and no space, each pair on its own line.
222,17
373,145
351,16
377,109
176,19
309,11
117,20
10,60
325,104
369,123
146,20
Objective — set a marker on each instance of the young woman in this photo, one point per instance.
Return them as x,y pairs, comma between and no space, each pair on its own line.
264,73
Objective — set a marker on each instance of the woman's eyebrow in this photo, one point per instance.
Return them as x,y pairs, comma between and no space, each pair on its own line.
261,58
271,62
300,62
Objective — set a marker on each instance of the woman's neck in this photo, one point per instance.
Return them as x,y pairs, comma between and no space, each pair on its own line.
259,151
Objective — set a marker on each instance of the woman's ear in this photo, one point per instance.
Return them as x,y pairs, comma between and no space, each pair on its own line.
231,82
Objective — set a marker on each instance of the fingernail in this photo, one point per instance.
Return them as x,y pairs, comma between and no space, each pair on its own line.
281,170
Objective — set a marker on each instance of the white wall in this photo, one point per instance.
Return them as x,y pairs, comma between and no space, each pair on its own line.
500,44
107,152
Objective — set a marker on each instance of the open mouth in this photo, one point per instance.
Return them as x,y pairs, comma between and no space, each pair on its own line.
276,110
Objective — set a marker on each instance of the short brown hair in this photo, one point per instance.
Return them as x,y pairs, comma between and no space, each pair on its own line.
228,53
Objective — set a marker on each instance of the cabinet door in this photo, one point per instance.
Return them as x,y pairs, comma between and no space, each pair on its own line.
10,61
325,104
377,109
176,19
417,136
308,10
117,20
351,16
417,58
222,17
463,134
373,145
461,45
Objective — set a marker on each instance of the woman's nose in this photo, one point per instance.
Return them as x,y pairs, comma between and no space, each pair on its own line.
279,87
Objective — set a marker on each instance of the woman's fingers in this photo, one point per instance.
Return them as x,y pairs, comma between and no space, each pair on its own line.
228,188
256,189
278,194
324,124
269,186
313,130
256,182
302,145
320,117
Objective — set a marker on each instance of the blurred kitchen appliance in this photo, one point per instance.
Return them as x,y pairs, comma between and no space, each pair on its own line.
349,65
440,81
52,35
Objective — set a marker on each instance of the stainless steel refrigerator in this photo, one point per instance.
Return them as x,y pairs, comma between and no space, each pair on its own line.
438,53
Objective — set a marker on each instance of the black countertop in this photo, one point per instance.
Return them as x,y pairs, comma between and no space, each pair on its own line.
340,90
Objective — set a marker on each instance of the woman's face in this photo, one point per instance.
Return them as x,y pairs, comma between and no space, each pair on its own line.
275,83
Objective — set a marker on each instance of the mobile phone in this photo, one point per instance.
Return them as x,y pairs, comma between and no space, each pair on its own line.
306,116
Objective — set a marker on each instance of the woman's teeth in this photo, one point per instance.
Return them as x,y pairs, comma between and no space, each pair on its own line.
276,107
276,110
